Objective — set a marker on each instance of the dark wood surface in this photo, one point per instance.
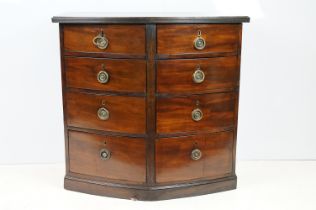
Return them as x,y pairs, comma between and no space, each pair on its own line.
174,114
127,113
148,20
237,101
150,193
125,75
127,162
123,39
174,163
176,76
63,86
151,102
150,97
179,39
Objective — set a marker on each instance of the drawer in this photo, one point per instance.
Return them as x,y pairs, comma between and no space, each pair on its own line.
180,39
107,113
196,75
208,112
106,74
116,39
194,157
107,157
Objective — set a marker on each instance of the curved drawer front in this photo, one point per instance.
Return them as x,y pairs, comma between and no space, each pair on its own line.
108,157
180,75
194,157
122,75
180,39
175,115
108,113
119,39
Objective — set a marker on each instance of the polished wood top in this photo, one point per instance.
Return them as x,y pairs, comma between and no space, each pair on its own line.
147,18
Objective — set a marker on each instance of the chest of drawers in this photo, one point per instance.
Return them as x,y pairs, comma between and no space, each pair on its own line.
150,104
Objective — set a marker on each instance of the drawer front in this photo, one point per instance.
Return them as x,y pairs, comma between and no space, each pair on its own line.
194,157
196,75
120,39
181,114
180,39
107,113
117,158
106,74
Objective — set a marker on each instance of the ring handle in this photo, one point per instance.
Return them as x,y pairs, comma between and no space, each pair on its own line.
198,76
103,113
199,42
196,154
103,77
197,114
100,41
105,154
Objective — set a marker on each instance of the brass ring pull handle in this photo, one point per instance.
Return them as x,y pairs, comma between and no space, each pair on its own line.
199,41
103,77
103,113
105,154
198,76
196,154
197,114
100,41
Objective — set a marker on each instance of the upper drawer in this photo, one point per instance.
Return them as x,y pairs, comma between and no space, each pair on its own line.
116,39
106,112
196,113
196,75
106,74
209,38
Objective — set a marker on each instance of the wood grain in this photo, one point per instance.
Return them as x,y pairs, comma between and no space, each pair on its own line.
174,114
123,39
127,114
125,75
178,39
174,163
151,102
63,87
175,76
127,162
150,97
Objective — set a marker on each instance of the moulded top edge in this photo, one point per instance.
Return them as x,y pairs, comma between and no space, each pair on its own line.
148,20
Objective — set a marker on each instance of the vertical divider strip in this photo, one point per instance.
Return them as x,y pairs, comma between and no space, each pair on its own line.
150,102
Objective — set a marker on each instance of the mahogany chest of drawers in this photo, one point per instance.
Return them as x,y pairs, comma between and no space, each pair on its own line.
150,104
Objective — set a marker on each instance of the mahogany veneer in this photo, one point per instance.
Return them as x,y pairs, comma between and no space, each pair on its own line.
220,73
177,39
150,104
126,75
128,162
127,113
174,165
128,39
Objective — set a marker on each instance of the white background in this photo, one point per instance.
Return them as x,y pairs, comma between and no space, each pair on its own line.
278,79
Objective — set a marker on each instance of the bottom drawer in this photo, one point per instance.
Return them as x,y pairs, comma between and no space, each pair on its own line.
194,157
116,158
